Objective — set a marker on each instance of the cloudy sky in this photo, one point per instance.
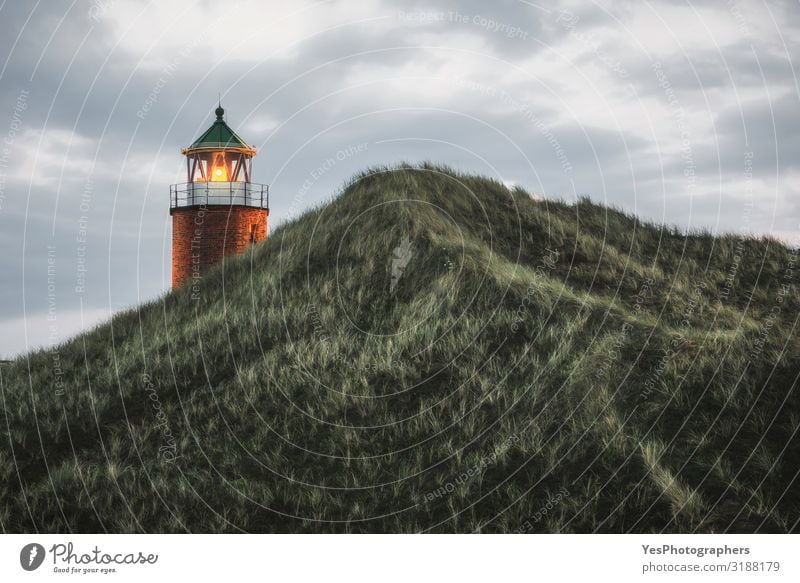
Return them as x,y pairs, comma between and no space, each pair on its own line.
685,112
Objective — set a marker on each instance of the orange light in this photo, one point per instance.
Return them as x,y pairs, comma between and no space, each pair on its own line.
219,170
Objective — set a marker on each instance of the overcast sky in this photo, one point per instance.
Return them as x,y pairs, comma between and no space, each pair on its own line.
683,112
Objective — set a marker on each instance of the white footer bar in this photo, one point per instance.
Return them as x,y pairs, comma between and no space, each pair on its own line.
400,558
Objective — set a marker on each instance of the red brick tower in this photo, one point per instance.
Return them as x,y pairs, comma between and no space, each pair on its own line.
219,211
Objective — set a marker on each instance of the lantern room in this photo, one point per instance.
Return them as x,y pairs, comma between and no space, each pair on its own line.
219,155
219,167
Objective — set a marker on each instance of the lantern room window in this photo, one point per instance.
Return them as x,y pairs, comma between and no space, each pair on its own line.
225,166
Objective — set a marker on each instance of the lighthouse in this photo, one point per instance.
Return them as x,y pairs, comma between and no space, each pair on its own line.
218,211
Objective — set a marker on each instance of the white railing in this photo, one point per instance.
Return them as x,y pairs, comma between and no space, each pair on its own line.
219,193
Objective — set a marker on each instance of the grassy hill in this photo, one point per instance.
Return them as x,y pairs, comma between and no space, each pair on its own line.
428,352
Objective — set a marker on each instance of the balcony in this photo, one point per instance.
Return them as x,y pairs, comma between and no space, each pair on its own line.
218,193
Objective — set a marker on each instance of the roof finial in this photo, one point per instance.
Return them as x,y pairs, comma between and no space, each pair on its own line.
219,111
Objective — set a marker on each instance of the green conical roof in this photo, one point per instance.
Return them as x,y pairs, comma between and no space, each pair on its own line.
220,136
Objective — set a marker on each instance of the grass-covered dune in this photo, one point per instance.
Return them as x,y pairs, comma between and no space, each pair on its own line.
429,351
